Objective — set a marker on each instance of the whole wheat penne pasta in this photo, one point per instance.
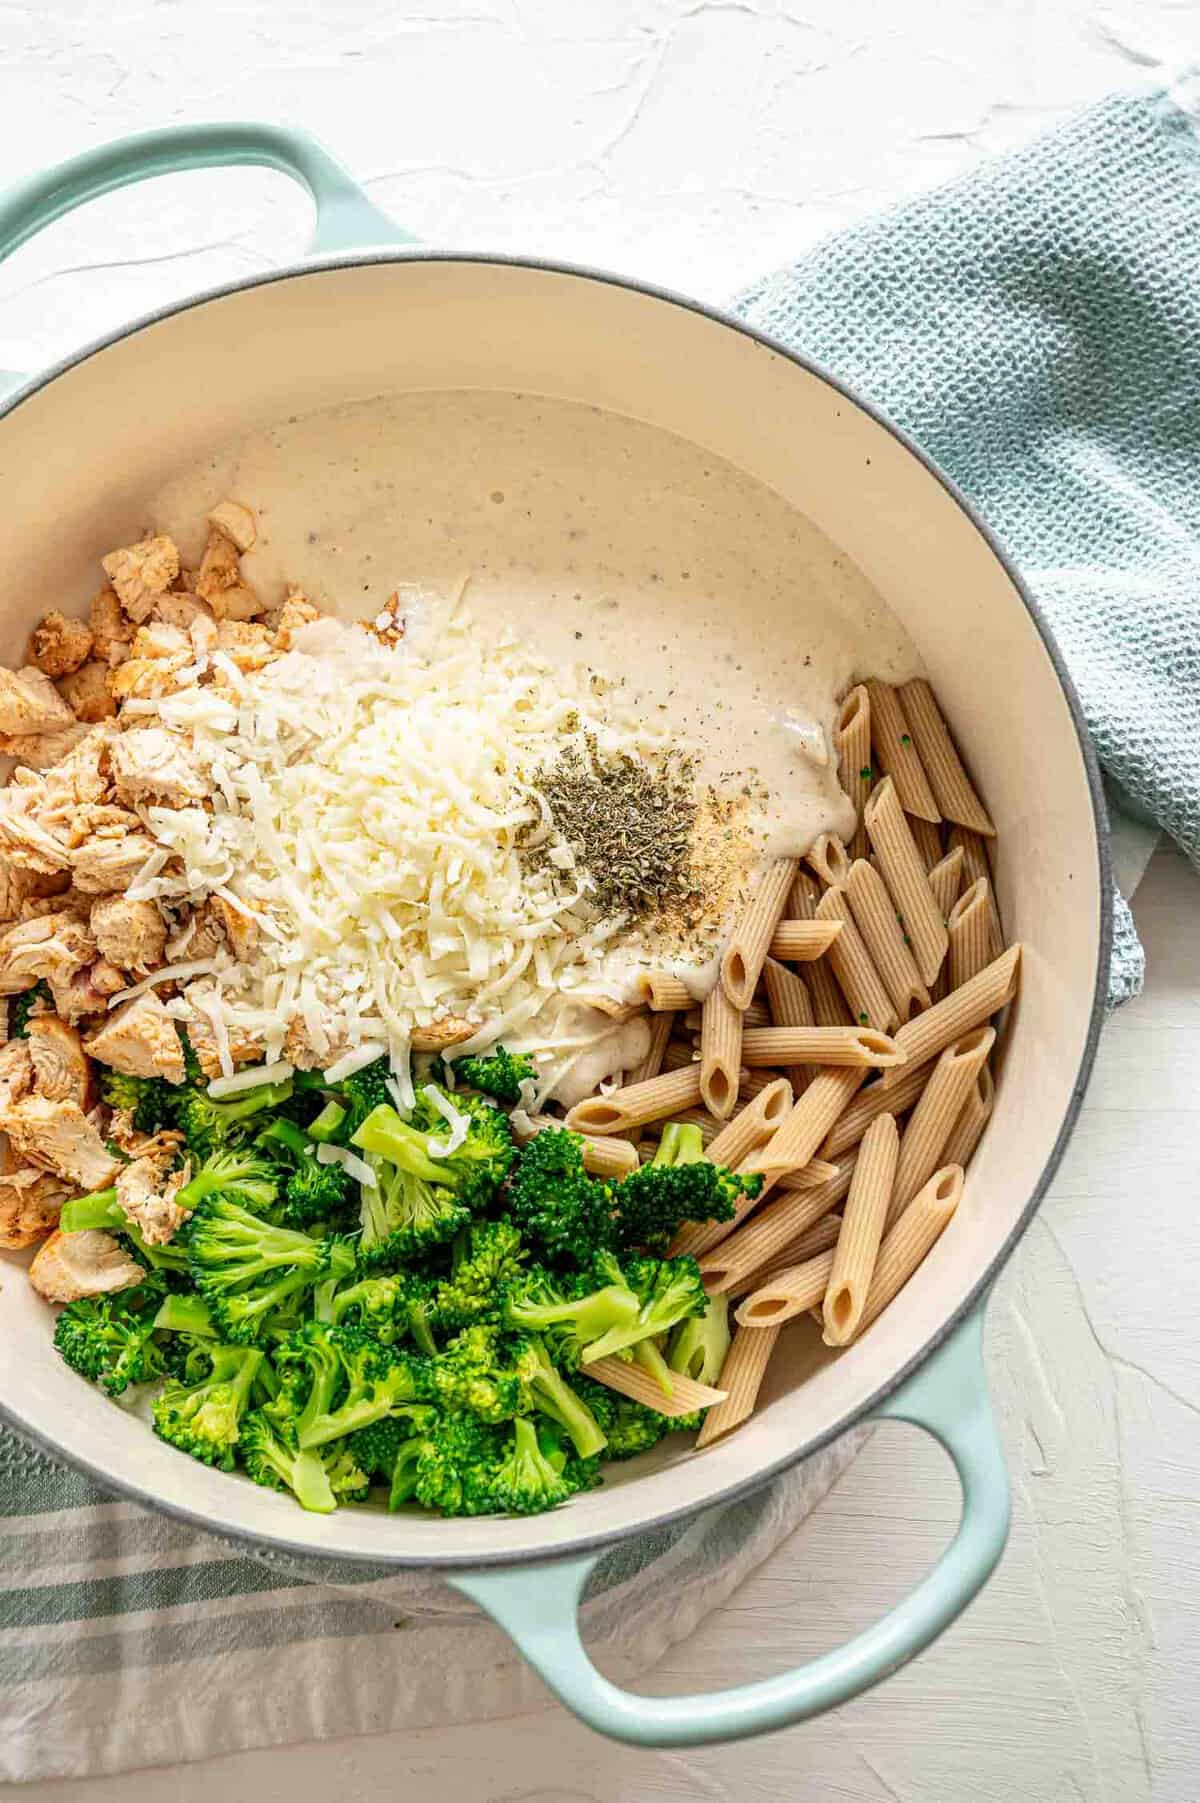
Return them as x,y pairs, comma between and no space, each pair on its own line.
953,789
853,737
830,1007
875,917
972,1119
816,1172
637,1104
770,1046
904,874
822,1236
927,838
895,753
791,1293
652,1063
789,1005
909,1239
803,941
679,1053
633,1380
720,1053
830,860
927,1034
805,894
976,864
850,961
870,1102
756,1015
775,1225
832,1090
659,990
603,1157
862,1229
753,1124
741,1375
945,879
752,1083
922,1149
743,958
970,930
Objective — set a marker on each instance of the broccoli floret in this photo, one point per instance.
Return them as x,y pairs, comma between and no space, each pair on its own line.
350,1100
555,1442
388,1306
480,1279
405,1466
209,1126
571,1316
148,1099
347,1381
102,1210
240,1177
455,1465
566,1213
698,1345
526,1481
347,1479
474,1374
36,1000
110,1339
245,1267
403,1217
668,1290
186,1314
497,1074
679,1185
550,1392
375,1448
270,1459
629,1427
474,1170
203,1418
312,1191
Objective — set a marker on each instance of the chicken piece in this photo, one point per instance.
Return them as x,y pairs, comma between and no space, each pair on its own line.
111,631
142,572
146,1192
198,934
30,703
35,907
450,1029
153,765
80,780
53,946
99,820
244,1047
299,1049
240,929
61,1072
58,1136
236,522
18,886
162,1146
16,1073
24,842
59,645
286,621
248,645
139,1038
220,583
102,866
130,934
30,1204
88,991
42,750
86,692
70,1266
158,639
182,611
149,678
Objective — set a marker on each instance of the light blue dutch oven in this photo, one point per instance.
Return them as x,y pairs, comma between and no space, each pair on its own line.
368,312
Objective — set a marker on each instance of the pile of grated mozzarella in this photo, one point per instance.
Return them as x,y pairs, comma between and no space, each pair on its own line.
367,802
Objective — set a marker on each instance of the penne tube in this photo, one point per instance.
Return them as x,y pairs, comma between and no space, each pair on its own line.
754,1082
945,880
762,1239
829,1005
927,1034
803,941
953,789
756,1015
850,1127
753,1124
975,865
896,754
659,990
679,1054
862,1229
850,961
789,1294
720,1053
904,873
637,1104
928,840
970,930
822,1236
742,963
741,1375
853,740
816,1172
883,936
601,1156
973,1117
909,1239
830,860
832,1090
652,1063
922,1149
789,1005
771,1046
634,1380
806,893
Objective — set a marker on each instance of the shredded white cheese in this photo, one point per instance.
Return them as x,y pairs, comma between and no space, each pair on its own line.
254,1078
355,1167
458,1123
355,1060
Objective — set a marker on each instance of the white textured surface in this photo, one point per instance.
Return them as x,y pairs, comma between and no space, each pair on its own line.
696,142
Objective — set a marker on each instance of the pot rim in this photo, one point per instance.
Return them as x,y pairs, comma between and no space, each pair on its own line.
272,1544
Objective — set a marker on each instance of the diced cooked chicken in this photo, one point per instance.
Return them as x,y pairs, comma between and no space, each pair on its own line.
59,645
162,1146
451,1029
220,582
111,631
182,610
42,750
70,1266
53,946
244,1047
60,1069
101,866
78,780
58,1136
149,678
154,765
16,1073
236,522
130,934
141,572
88,991
139,1038
239,928
247,645
159,639
30,703
34,907
297,611
299,1049
30,1204
98,820
147,1192
198,935
24,841
17,886
86,690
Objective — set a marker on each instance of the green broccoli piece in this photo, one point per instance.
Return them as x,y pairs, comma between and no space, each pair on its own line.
209,1126
148,1099
455,1464
698,1345
474,1170
566,1213
110,1339
526,1481
36,1000
497,1073
203,1418
240,1177
550,1393
186,1313
375,1448
388,1306
629,1427
480,1278
347,1479
312,1191
270,1459
474,1374
347,1381
579,1473
245,1267
405,1466
102,1210
668,1291
678,1185
349,1101
404,1217
571,1316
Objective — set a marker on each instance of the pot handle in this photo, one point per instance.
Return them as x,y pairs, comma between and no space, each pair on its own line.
345,217
537,1604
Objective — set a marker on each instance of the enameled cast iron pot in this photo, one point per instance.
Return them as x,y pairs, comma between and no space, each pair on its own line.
80,447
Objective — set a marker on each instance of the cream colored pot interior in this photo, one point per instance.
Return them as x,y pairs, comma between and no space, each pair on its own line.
78,459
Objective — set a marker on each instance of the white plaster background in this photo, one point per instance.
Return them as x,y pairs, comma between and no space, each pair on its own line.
695,144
